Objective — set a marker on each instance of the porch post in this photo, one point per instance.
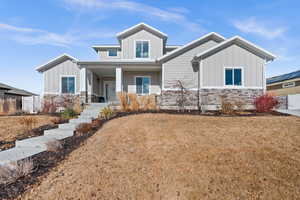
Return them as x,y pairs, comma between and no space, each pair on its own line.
83,84
119,79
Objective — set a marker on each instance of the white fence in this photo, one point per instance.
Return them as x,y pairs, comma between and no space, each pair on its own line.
293,101
31,104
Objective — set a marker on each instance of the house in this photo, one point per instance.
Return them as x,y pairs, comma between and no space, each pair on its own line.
142,62
285,84
8,92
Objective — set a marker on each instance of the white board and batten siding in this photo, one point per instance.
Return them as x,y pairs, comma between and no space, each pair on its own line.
52,77
180,67
155,44
233,56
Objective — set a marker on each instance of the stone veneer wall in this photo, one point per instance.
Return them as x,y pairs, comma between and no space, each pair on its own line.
210,99
62,100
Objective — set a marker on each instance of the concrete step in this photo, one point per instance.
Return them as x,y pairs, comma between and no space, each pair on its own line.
68,126
80,120
34,142
58,134
15,154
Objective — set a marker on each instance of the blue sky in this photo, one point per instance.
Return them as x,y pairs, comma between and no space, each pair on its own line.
33,32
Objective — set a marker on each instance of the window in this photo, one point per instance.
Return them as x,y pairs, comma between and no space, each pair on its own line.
112,52
68,85
142,49
142,85
288,84
233,76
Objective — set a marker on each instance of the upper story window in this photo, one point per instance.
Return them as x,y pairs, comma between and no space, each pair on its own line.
142,49
233,76
68,84
112,52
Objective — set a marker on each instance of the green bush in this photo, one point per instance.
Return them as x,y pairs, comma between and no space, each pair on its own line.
68,113
107,113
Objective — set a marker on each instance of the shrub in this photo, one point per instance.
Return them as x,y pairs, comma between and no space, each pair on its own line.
124,101
28,123
77,106
265,103
134,103
148,102
57,120
49,107
227,107
83,128
11,173
1,106
107,113
54,145
68,113
239,105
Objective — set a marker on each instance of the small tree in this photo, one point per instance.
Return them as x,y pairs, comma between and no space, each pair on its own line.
265,103
181,99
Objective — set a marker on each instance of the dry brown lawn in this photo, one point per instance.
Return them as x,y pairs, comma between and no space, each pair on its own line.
10,126
160,156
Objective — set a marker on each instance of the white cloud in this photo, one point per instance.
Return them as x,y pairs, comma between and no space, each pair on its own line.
32,36
252,25
175,16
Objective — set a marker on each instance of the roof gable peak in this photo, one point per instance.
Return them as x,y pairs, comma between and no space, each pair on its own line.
139,27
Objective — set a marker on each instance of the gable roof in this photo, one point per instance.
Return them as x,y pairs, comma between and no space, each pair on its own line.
138,27
54,62
11,90
240,41
284,77
185,48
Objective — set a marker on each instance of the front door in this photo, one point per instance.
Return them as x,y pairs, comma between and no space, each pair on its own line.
109,90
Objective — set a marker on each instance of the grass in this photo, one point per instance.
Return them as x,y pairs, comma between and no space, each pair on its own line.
11,126
161,156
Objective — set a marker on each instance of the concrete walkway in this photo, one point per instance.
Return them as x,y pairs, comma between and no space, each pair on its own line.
31,146
291,112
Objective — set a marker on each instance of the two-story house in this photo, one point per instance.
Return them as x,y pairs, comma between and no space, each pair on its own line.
142,62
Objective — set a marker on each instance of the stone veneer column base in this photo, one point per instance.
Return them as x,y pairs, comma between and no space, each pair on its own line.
210,99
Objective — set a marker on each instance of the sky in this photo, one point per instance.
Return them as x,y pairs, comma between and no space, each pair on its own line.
32,32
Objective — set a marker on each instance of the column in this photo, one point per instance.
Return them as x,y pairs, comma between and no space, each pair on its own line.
83,83
119,79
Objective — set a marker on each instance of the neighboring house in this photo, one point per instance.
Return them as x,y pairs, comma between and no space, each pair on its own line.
142,62
285,84
8,92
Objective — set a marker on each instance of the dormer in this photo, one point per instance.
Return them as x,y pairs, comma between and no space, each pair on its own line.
142,42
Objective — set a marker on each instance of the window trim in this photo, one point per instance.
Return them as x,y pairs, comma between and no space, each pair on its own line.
112,49
234,86
149,48
136,85
285,85
60,83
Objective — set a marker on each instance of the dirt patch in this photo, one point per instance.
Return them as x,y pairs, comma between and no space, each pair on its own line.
162,156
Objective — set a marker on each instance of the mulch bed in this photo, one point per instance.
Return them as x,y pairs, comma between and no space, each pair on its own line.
45,161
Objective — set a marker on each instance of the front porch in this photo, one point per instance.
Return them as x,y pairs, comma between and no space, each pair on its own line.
101,83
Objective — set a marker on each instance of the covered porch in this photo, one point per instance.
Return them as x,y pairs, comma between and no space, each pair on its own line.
100,82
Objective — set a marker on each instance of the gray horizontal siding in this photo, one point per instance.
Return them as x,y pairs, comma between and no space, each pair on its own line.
52,77
232,56
128,44
180,67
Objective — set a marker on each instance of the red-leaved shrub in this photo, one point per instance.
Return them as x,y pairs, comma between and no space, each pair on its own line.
265,103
